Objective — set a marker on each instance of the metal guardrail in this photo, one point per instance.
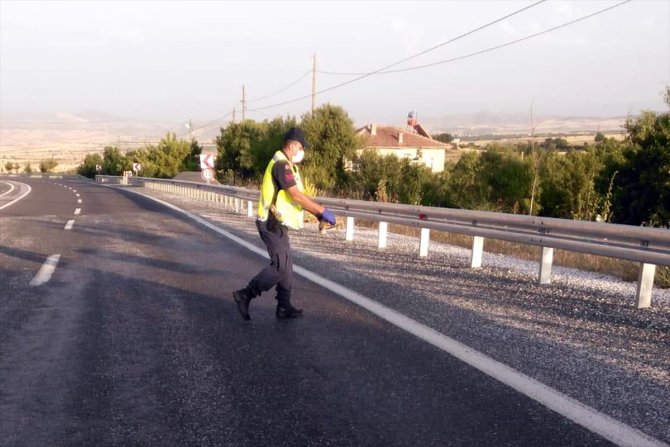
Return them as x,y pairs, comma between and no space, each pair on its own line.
648,246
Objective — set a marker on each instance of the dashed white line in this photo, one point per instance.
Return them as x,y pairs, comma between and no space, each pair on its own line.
590,418
77,210
45,272
68,225
79,201
77,195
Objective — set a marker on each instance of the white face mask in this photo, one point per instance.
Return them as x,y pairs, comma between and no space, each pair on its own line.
297,158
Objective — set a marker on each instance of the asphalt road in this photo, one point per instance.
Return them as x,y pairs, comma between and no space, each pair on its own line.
135,340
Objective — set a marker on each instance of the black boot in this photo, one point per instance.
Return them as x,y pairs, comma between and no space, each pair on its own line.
286,310
242,298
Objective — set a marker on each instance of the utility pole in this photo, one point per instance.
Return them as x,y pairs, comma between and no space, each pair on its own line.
313,82
233,115
534,160
244,103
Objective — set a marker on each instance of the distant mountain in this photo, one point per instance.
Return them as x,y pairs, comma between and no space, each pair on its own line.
482,123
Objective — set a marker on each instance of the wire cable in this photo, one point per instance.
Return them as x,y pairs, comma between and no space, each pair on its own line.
283,88
365,75
486,50
213,121
571,22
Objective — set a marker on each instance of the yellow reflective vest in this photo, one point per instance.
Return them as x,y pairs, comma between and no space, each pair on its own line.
288,212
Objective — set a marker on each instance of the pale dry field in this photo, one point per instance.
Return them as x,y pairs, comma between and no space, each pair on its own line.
573,140
67,147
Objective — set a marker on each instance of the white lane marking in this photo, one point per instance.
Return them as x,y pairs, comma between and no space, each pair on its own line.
79,201
45,272
68,225
590,418
73,190
77,195
77,210
11,188
18,198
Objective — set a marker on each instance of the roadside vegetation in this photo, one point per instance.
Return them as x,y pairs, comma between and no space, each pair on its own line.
608,180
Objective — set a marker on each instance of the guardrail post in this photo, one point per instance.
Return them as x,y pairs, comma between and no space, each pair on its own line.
424,241
645,284
237,205
250,208
545,265
477,251
383,230
349,235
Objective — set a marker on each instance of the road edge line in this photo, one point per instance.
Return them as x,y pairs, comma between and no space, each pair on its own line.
18,198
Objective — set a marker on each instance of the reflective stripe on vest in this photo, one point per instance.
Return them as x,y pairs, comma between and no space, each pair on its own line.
289,211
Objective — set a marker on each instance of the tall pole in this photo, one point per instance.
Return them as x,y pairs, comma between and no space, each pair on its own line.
313,83
533,160
233,115
244,103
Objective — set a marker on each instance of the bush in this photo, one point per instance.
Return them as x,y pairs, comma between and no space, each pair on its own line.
48,165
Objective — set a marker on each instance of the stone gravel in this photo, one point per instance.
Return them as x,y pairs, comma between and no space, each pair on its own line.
581,335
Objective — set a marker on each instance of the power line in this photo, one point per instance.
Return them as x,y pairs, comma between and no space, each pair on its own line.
365,75
213,121
486,50
282,89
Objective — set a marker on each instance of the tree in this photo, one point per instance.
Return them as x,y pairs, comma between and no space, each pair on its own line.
27,168
333,141
569,186
273,138
466,187
114,162
87,166
444,137
642,186
9,166
369,170
48,165
410,189
192,161
166,159
508,178
234,146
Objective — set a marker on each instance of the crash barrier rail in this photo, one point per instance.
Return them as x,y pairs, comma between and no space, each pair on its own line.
647,246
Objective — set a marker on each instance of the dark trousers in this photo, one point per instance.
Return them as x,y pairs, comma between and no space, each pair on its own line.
280,271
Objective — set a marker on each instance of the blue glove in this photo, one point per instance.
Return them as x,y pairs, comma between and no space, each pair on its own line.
327,216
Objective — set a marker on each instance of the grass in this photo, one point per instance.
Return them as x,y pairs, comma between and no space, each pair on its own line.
619,268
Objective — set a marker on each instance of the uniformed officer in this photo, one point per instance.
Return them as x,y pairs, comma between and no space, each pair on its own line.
279,208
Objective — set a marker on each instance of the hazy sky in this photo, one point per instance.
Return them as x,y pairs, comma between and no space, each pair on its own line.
174,60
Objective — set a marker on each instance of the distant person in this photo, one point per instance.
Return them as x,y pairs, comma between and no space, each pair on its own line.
279,208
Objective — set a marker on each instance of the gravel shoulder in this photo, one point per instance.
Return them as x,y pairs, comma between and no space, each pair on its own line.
581,335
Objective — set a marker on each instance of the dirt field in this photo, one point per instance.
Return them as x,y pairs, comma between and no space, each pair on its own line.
68,148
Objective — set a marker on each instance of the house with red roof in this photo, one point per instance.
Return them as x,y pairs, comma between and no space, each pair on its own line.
412,142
